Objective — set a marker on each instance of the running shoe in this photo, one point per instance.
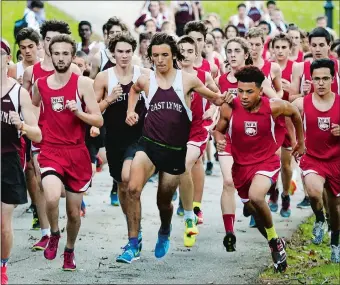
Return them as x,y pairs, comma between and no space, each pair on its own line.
304,204
162,245
273,205
174,197
114,199
246,212
180,210
198,212
252,222
335,253
35,224
82,208
130,254
190,226
41,244
285,210
30,209
208,170
318,232
50,251
277,247
69,261
4,277
189,240
139,243
229,242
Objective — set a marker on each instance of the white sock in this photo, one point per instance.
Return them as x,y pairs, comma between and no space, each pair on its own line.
45,232
189,215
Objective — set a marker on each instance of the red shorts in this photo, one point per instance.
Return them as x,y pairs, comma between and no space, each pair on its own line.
287,143
71,164
227,149
199,137
22,153
329,170
244,174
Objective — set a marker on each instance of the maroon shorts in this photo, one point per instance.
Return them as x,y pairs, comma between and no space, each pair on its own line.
329,170
72,164
243,174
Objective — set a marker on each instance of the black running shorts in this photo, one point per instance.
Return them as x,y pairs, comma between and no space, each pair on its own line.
13,184
165,158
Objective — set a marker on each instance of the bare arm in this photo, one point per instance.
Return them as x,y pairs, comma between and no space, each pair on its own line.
95,66
36,100
12,71
222,126
27,78
298,103
93,117
268,90
30,126
75,69
295,84
211,83
99,90
135,90
277,74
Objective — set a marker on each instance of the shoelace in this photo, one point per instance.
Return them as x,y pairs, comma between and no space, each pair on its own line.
68,257
318,229
53,242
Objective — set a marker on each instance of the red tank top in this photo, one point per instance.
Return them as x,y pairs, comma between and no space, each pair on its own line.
205,66
253,135
266,69
299,57
287,74
61,126
320,142
226,85
307,76
38,72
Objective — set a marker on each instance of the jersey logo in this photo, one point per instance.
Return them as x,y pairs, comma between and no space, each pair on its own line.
233,91
324,123
57,103
250,128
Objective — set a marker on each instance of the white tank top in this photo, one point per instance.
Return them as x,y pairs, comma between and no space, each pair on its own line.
20,69
79,46
104,59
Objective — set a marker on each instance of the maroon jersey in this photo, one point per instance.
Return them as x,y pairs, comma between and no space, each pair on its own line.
168,117
287,74
10,138
307,76
320,143
253,135
61,126
254,14
105,61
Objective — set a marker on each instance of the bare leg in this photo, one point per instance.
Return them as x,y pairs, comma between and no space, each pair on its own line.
228,203
286,170
198,176
31,181
6,230
314,186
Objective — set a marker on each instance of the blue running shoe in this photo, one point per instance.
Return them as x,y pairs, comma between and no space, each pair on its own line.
285,210
304,204
139,243
130,254
162,245
318,232
252,222
180,210
174,197
114,199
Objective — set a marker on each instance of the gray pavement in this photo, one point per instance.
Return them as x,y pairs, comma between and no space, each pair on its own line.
103,232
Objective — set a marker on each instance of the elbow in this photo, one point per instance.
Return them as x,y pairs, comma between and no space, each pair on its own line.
37,137
99,122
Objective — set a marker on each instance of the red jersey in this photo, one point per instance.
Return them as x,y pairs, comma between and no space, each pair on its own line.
307,76
61,126
320,143
299,57
205,66
266,69
287,74
253,135
226,85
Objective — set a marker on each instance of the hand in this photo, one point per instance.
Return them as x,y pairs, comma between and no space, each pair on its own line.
285,85
20,80
131,118
72,106
16,120
94,132
220,100
116,92
335,130
220,145
229,97
306,87
299,150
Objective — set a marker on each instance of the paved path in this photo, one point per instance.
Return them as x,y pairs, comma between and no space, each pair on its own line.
103,232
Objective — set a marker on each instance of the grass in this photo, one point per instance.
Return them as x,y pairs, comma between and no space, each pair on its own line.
14,10
308,263
302,13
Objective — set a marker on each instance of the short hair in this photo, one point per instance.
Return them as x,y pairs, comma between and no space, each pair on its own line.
125,37
189,40
161,39
219,30
255,32
195,26
115,21
84,23
231,26
144,36
63,39
271,2
241,5
308,55
323,63
282,37
320,33
250,74
335,44
265,23
81,54
337,49
322,17
37,4
104,28
27,33
18,54
244,45
295,28
54,26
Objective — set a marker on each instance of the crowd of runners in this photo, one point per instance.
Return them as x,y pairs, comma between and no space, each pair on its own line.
263,94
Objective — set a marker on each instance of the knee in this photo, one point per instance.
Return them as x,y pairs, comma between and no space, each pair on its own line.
162,205
73,215
228,185
134,190
123,186
255,198
285,166
6,226
314,192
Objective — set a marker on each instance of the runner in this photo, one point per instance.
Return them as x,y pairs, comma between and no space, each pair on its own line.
321,164
241,20
251,125
15,106
165,134
85,32
112,88
64,159
202,114
296,51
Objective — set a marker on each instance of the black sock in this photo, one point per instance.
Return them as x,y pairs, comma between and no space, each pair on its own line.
319,216
164,231
335,237
70,250
55,233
